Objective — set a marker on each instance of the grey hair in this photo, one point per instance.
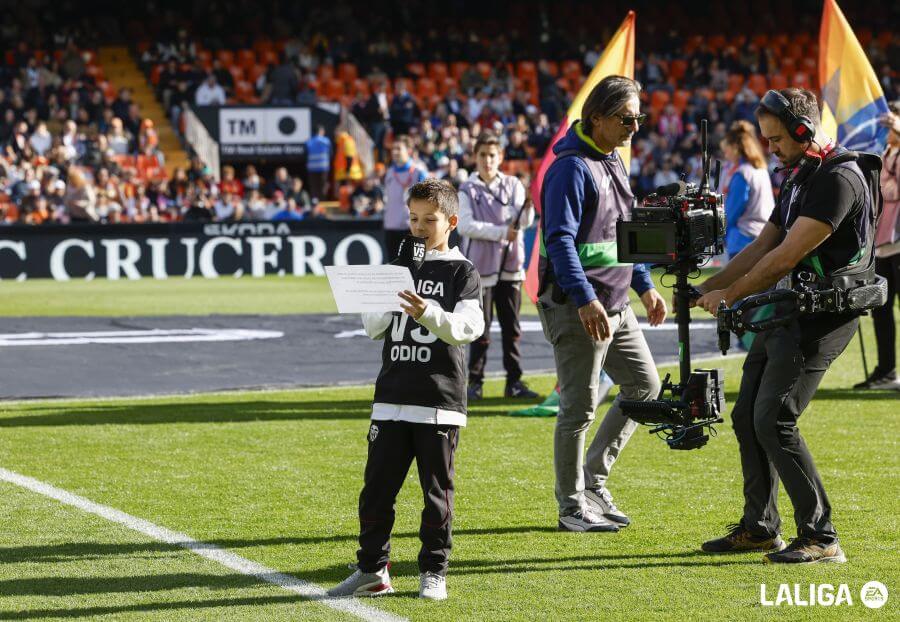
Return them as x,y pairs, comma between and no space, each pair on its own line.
610,94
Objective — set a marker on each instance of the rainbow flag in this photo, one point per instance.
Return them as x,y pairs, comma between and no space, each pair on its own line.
618,60
852,97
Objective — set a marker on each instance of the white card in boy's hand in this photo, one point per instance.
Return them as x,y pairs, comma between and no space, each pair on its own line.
368,289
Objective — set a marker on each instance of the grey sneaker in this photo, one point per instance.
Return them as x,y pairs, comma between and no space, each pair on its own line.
585,520
364,584
601,502
432,586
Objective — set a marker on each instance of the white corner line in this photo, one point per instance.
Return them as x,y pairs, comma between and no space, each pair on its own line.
209,551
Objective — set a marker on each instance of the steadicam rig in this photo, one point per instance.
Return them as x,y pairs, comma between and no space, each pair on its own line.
679,226
790,304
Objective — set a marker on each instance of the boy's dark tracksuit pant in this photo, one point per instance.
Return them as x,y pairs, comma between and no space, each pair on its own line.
392,447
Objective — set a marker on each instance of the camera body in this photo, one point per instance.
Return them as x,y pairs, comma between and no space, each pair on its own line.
676,223
697,405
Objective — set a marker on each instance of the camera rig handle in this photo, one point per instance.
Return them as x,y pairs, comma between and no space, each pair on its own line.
739,318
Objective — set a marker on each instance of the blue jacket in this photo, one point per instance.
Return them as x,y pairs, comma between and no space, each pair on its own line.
570,184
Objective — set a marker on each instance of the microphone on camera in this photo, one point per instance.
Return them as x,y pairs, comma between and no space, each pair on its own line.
671,190
411,254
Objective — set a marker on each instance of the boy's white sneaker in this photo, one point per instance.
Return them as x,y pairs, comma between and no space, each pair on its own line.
432,586
364,584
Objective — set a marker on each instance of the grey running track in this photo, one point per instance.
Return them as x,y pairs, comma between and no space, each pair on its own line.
107,357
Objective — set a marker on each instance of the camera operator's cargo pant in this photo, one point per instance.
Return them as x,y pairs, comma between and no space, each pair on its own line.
781,374
579,359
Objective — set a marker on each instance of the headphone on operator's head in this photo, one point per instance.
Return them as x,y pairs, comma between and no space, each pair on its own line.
799,127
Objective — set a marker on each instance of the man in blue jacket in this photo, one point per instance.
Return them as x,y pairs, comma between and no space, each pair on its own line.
583,301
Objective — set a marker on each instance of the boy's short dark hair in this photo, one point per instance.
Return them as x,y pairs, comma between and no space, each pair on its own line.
803,103
486,139
404,140
437,192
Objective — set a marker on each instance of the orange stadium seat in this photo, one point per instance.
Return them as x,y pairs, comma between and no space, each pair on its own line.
438,71
658,99
757,83
148,167
155,73
448,83
246,58
326,72
800,80
793,50
571,69
717,42
456,69
809,65
680,99
516,167
269,57
735,82
347,72
526,70
226,57
416,69
484,68
334,89
426,88
677,69
94,71
261,46
788,66
243,91
761,40
693,43
361,86
553,68
778,81
707,94
237,73
254,72
204,57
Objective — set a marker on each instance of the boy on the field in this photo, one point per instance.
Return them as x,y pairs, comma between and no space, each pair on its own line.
420,399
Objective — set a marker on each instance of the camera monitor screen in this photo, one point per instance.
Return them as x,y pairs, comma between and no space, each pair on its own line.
648,241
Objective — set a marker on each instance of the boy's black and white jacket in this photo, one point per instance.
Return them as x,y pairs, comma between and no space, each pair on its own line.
423,370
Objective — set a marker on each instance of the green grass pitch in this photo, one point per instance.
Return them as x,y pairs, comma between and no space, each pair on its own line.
275,478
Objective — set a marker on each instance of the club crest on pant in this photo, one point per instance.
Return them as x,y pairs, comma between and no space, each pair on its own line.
373,433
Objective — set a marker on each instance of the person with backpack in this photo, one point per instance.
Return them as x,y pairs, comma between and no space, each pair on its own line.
821,232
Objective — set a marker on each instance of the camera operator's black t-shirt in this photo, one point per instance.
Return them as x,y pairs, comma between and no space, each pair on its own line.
838,197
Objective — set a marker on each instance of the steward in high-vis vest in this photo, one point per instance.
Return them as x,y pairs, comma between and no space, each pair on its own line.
821,232
583,301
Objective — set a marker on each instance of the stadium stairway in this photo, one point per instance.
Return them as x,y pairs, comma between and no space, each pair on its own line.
122,71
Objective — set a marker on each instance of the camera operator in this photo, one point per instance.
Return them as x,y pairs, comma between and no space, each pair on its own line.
583,301
819,230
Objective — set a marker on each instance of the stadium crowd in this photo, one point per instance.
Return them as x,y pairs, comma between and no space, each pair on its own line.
75,149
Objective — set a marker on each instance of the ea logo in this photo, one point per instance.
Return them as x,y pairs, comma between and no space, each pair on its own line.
874,594
287,125
373,433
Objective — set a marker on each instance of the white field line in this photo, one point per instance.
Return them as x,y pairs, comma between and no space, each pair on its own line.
135,336
209,551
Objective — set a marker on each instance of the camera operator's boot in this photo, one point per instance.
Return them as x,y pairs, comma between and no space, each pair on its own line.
739,540
808,551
